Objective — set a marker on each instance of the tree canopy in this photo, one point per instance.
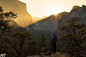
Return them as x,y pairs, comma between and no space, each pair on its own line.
73,37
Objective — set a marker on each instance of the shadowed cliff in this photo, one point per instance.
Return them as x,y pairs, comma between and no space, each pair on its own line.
76,11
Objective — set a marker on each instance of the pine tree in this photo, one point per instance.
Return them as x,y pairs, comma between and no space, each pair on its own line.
4,21
42,42
50,47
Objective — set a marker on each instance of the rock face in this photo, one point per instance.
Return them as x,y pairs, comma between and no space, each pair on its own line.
24,18
76,11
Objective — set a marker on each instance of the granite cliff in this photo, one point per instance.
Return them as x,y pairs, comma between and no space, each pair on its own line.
76,11
16,6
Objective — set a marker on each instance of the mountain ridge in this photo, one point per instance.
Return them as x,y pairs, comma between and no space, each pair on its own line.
76,11
53,19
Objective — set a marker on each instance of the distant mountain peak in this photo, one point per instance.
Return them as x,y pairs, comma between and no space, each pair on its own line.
77,7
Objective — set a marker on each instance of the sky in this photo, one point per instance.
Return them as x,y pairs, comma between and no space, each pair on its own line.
41,8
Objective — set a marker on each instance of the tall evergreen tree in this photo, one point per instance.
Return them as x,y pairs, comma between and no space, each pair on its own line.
4,21
42,41
50,47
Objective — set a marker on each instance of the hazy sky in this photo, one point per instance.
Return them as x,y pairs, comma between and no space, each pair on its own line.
47,7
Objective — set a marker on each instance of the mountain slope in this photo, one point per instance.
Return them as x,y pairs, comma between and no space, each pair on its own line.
47,24
16,28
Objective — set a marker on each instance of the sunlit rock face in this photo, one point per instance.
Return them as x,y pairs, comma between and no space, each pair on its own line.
24,18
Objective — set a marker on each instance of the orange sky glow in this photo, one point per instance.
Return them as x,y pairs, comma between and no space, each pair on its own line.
40,8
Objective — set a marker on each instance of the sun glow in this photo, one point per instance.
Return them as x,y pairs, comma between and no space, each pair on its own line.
22,0
54,9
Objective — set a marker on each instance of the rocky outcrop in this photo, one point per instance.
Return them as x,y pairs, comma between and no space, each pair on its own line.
24,18
76,11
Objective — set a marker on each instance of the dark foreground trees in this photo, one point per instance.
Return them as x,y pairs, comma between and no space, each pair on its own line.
24,45
5,27
74,37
